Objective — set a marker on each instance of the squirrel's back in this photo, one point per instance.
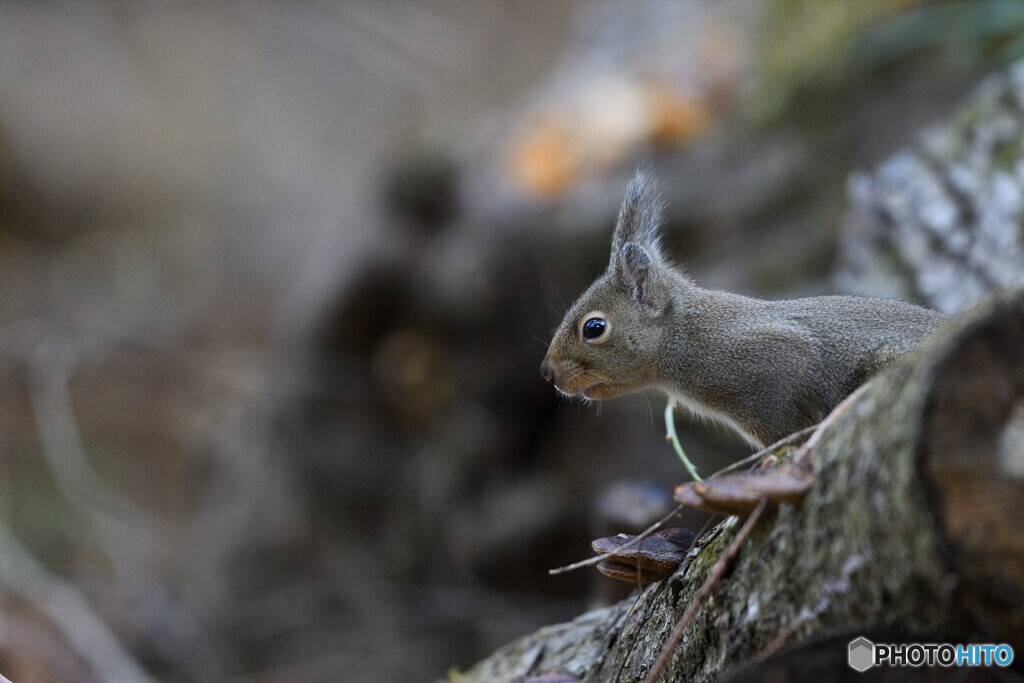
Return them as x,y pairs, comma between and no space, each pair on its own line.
858,334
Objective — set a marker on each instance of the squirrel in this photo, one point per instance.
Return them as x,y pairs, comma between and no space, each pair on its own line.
764,368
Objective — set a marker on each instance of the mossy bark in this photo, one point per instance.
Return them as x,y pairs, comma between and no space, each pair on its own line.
867,550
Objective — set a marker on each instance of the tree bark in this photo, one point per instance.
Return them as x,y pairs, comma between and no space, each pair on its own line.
939,222
912,526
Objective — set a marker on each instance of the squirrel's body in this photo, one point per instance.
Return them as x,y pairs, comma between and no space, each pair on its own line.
789,364
765,368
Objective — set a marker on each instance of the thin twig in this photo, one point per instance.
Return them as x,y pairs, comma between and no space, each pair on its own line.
815,430
795,436
118,523
829,420
767,450
721,566
618,551
779,641
69,610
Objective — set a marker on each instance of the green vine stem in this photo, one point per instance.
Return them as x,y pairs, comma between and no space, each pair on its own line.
673,438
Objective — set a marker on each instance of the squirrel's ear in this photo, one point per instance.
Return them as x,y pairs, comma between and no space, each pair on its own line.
639,215
638,271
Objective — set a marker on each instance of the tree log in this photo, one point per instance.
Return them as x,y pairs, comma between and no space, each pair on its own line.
912,526
939,222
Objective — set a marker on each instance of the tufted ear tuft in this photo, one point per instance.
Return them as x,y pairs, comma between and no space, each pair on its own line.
640,216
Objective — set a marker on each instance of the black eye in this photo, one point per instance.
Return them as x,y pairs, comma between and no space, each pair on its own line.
594,328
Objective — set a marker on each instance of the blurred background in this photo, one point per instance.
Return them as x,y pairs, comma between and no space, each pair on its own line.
276,280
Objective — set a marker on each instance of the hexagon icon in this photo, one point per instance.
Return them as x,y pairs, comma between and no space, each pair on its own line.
862,654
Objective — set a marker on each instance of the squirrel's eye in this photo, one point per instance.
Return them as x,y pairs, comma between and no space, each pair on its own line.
594,328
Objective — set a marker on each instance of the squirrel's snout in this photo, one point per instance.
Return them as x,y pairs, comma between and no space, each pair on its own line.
547,371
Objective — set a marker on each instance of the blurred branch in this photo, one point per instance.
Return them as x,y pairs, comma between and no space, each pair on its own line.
119,524
23,575
936,25
133,541
235,511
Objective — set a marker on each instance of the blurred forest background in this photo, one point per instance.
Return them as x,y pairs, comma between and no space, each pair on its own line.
275,280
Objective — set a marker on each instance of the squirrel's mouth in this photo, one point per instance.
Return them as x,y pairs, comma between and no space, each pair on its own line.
599,391
588,385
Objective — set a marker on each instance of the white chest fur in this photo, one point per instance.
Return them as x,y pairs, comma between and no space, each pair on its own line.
703,412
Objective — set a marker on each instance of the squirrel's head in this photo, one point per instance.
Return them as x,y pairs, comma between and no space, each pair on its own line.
611,336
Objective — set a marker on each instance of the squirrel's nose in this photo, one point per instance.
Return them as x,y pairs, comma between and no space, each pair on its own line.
547,371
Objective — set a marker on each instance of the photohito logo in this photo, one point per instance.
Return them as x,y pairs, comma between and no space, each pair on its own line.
863,654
